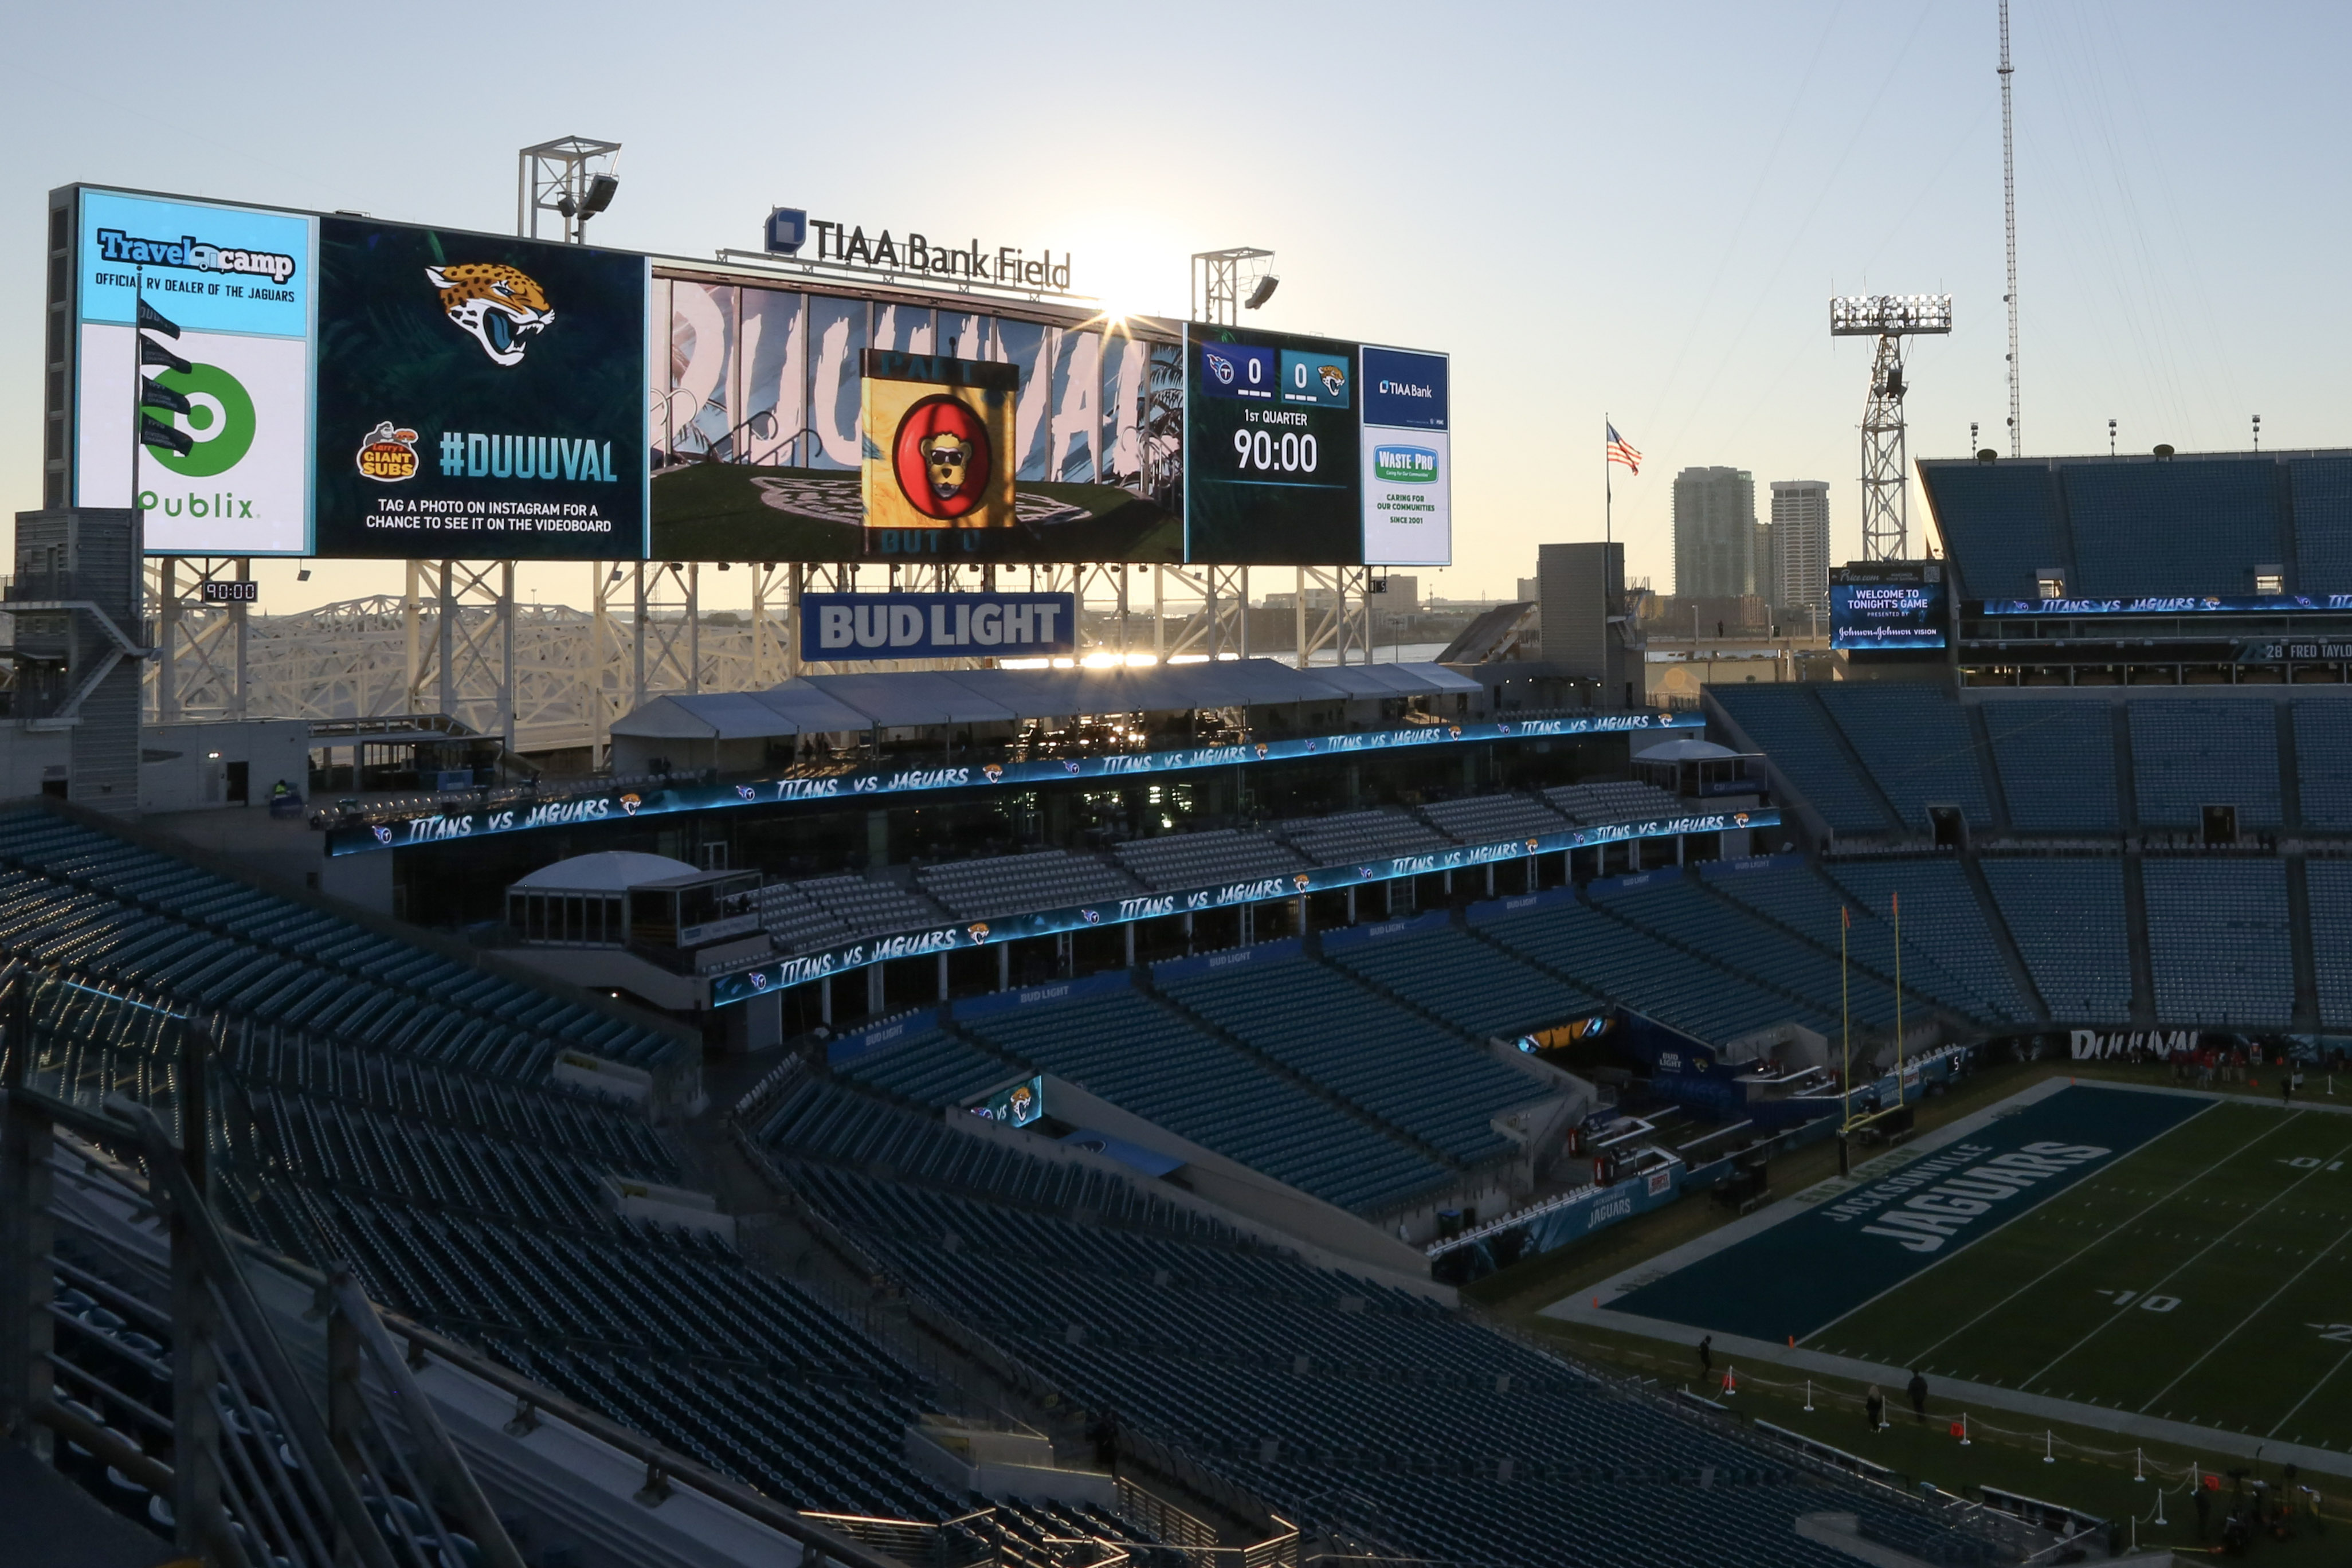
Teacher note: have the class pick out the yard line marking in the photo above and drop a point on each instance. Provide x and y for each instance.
(2104, 1323)
(2105, 1234)
(2308, 1265)
(2323, 1380)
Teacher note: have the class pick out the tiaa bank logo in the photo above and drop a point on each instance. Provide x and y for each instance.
(1407, 465)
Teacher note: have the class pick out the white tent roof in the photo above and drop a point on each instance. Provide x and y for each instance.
(610, 871)
(1685, 749)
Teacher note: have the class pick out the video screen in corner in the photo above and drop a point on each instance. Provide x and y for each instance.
(1886, 605)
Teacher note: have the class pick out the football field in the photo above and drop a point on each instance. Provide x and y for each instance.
(2195, 1269)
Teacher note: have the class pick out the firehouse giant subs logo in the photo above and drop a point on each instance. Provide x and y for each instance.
(942, 459)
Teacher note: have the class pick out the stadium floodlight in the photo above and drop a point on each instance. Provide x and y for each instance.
(1227, 282)
(1885, 485)
(571, 177)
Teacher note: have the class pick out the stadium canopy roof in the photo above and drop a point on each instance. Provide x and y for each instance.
(792, 709)
(1685, 750)
(610, 871)
(906, 700)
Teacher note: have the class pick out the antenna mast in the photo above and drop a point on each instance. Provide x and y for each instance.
(2009, 215)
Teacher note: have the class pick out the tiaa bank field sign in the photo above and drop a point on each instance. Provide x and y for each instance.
(837, 628)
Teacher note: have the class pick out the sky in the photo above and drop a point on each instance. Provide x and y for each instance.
(1636, 213)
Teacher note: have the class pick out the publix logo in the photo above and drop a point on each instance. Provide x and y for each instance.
(1409, 464)
(220, 421)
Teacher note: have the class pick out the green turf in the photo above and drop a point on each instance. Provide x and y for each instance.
(2206, 1278)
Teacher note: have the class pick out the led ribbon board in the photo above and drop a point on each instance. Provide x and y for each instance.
(746, 984)
(855, 783)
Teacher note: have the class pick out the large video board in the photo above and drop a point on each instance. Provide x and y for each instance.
(360, 388)
(1306, 451)
(1886, 605)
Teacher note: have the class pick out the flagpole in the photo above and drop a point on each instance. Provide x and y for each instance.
(1608, 507)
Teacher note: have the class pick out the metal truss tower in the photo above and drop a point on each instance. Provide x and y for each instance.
(1227, 282)
(1885, 482)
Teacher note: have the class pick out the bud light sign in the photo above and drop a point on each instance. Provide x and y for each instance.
(839, 629)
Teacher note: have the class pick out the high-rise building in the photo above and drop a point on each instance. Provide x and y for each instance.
(1800, 545)
(1715, 533)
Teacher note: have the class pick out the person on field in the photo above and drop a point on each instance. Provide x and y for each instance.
(1874, 1408)
(1917, 1389)
(1707, 1356)
(2204, 1512)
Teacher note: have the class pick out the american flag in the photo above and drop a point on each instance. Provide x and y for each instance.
(1622, 451)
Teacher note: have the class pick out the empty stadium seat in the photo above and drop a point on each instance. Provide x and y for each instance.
(2219, 945)
(2067, 915)
(1916, 742)
(1788, 724)
(2188, 753)
(2057, 763)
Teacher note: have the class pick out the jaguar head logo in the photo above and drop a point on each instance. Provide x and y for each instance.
(992, 771)
(1335, 378)
(1261, 748)
(498, 306)
(979, 930)
(629, 804)
(1299, 880)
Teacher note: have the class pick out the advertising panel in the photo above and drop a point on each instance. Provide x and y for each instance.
(1887, 605)
(240, 285)
(479, 396)
(742, 984)
(938, 446)
(762, 430)
(1407, 460)
(1272, 450)
(1015, 1105)
(841, 782)
(841, 629)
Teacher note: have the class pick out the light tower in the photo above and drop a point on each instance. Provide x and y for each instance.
(571, 177)
(1885, 488)
(1227, 282)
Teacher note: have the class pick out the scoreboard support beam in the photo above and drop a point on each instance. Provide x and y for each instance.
(200, 668)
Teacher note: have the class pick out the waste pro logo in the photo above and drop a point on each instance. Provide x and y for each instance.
(1404, 465)
(389, 454)
(219, 420)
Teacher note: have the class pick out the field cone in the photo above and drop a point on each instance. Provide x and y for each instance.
(1730, 1382)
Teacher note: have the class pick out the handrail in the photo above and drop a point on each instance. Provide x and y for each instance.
(425, 1428)
(289, 1400)
(302, 1416)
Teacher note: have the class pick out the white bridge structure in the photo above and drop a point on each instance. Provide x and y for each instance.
(552, 677)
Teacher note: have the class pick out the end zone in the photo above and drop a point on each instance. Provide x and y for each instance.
(1799, 1266)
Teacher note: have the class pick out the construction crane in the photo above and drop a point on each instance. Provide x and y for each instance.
(1885, 488)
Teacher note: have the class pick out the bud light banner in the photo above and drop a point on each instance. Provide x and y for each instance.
(839, 629)
(479, 396)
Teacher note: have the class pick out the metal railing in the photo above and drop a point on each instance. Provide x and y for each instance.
(258, 1472)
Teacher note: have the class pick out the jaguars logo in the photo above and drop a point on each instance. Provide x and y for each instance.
(629, 803)
(499, 307)
(979, 930)
(1334, 379)
(992, 772)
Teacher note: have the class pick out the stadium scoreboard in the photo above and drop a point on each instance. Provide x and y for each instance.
(1302, 450)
